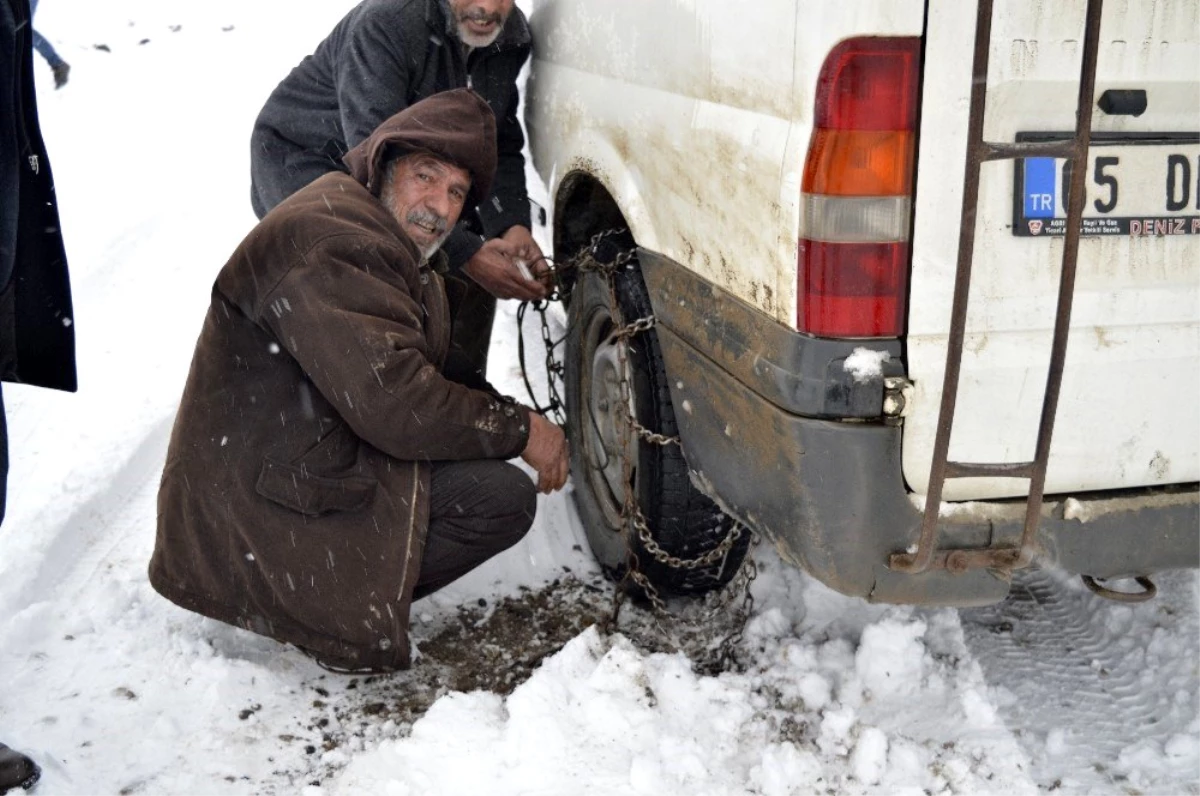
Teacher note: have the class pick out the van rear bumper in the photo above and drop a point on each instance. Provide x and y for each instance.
(829, 493)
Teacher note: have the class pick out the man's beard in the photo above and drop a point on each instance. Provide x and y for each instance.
(429, 219)
(425, 218)
(473, 40)
(432, 249)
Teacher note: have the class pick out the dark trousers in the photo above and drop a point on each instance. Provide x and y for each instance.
(3, 458)
(477, 509)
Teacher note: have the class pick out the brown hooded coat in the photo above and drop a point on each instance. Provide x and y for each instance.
(295, 497)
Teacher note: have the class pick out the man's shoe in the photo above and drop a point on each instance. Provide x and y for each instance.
(16, 770)
(60, 74)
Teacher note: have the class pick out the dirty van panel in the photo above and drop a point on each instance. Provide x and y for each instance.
(678, 48)
(698, 110)
(1126, 415)
(674, 88)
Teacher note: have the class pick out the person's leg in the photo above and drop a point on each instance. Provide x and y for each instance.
(46, 49)
(477, 509)
(60, 67)
(39, 42)
(16, 770)
(3, 458)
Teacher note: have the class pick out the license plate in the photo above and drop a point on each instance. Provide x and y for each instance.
(1136, 186)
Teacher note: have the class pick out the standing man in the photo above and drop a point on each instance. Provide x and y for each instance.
(37, 332)
(327, 466)
(383, 56)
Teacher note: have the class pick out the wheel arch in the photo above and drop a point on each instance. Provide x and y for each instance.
(598, 192)
(583, 207)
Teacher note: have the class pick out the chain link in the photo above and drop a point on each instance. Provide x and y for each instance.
(723, 655)
(555, 371)
(708, 559)
(653, 438)
(625, 334)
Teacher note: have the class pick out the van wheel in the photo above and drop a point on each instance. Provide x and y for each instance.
(684, 522)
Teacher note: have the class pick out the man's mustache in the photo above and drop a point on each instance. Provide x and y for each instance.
(482, 17)
(428, 219)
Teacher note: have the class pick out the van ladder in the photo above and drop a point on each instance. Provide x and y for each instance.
(1075, 151)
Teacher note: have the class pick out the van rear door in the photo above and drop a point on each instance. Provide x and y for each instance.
(1128, 413)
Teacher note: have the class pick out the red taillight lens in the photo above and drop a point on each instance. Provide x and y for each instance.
(858, 183)
(867, 84)
(853, 289)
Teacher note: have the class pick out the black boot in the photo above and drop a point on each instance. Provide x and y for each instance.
(16, 770)
(61, 71)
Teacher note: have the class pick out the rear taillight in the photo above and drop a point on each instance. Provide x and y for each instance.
(858, 186)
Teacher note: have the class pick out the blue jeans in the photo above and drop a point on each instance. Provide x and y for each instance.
(39, 42)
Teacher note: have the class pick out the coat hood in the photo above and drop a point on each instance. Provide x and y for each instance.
(457, 126)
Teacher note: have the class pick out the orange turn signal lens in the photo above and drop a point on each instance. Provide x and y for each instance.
(859, 163)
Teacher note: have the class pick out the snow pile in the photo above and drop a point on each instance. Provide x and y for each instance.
(601, 717)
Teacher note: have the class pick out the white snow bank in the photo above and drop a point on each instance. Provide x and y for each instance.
(601, 717)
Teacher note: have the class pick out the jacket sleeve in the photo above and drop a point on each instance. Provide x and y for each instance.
(361, 340)
(372, 77)
(461, 245)
(508, 205)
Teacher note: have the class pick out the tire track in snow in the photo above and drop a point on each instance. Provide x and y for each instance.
(1081, 679)
(84, 534)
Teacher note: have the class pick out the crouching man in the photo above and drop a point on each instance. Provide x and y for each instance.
(326, 469)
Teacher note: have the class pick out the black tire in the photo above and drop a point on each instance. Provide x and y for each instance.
(684, 522)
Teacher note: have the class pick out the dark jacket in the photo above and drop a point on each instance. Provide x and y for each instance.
(383, 56)
(37, 325)
(295, 497)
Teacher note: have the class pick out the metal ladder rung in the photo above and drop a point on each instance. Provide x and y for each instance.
(980, 470)
(959, 561)
(991, 150)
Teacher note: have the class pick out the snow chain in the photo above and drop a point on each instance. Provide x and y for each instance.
(633, 521)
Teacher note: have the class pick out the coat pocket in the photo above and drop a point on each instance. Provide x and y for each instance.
(325, 479)
(298, 489)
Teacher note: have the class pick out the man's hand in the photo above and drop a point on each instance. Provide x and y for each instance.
(546, 452)
(530, 254)
(494, 267)
(527, 249)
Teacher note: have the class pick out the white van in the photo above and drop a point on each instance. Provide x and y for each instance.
(803, 185)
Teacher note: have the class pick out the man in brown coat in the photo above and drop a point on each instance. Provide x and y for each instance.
(326, 467)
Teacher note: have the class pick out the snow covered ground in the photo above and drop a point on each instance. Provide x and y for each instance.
(116, 691)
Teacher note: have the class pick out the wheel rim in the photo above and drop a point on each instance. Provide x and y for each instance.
(605, 424)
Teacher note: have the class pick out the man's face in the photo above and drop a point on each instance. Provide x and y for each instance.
(426, 195)
(479, 21)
